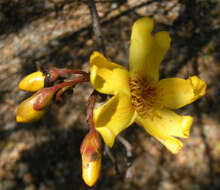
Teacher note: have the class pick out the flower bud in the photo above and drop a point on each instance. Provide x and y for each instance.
(91, 158)
(33, 108)
(32, 82)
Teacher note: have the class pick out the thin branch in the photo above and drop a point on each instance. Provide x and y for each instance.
(70, 83)
(126, 144)
(96, 26)
(101, 48)
(108, 152)
(91, 105)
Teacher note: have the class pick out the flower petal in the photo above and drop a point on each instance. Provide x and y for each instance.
(173, 124)
(113, 117)
(107, 77)
(165, 125)
(147, 51)
(176, 92)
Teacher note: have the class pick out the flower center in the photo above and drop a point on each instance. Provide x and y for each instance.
(144, 95)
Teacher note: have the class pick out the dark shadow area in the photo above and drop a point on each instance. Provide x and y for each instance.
(16, 14)
(48, 120)
(56, 164)
(57, 160)
(4, 134)
(65, 52)
(190, 32)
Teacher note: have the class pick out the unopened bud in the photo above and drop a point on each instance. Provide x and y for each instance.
(91, 158)
(32, 82)
(33, 108)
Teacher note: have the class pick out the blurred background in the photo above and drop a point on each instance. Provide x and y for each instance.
(45, 155)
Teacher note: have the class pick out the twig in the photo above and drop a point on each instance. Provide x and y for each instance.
(126, 144)
(70, 83)
(101, 48)
(129, 156)
(108, 152)
(91, 105)
(96, 26)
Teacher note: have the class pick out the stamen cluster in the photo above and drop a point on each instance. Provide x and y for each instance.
(143, 95)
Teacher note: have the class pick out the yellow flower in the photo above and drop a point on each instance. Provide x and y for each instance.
(138, 94)
(32, 82)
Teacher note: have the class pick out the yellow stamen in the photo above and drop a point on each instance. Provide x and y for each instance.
(143, 95)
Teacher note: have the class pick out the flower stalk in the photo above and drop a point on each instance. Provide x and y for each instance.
(54, 73)
(34, 108)
(91, 148)
(91, 105)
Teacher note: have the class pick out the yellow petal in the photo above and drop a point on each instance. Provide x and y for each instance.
(26, 112)
(165, 125)
(199, 87)
(147, 51)
(107, 77)
(176, 93)
(173, 124)
(32, 82)
(113, 117)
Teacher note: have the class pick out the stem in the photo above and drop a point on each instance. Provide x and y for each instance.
(61, 72)
(96, 26)
(101, 48)
(126, 144)
(45, 94)
(108, 152)
(54, 73)
(91, 105)
(60, 93)
(70, 83)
